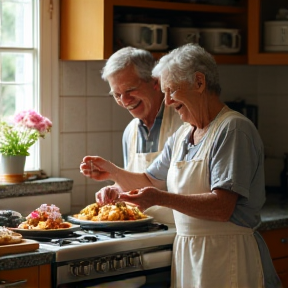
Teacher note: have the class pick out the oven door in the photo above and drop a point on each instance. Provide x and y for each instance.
(156, 278)
(134, 282)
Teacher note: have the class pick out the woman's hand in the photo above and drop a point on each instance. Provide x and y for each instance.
(107, 195)
(98, 168)
(144, 197)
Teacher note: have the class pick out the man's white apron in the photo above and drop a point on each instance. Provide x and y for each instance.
(208, 254)
(138, 162)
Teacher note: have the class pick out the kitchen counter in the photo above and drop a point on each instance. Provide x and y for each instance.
(274, 215)
(36, 187)
(28, 259)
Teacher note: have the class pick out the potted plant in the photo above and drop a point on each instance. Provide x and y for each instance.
(15, 140)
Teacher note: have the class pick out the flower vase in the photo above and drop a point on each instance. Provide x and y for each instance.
(12, 169)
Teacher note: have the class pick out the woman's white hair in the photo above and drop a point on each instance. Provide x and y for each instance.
(181, 64)
(142, 61)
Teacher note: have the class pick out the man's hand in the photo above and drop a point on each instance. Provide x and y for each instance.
(98, 168)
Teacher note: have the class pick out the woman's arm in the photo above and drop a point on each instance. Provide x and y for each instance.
(217, 205)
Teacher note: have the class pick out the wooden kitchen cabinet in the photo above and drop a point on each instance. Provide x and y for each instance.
(86, 26)
(86, 30)
(277, 242)
(36, 276)
(260, 11)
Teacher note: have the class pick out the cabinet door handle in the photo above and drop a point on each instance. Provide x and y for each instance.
(284, 240)
(6, 284)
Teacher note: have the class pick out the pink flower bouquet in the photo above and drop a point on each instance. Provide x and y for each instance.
(28, 126)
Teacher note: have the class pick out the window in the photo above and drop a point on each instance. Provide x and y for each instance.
(28, 59)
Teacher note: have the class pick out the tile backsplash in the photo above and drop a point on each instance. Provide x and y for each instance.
(92, 123)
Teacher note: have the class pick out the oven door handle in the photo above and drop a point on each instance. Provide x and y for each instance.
(6, 284)
(157, 259)
(135, 282)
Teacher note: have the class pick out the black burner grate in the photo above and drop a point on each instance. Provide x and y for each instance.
(89, 234)
(150, 227)
(147, 228)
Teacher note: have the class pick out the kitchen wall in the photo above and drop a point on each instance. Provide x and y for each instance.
(92, 124)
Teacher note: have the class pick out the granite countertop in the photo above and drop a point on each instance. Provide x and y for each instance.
(274, 214)
(36, 187)
(27, 259)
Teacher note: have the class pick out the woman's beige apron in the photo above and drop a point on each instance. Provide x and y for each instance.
(208, 254)
(138, 162)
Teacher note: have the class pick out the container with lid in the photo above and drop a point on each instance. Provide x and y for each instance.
(141, 35)
(276, 36)
(220, 40)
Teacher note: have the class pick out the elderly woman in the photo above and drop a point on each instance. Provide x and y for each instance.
(212, 169)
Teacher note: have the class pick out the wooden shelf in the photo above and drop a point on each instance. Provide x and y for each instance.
(220, 59)
(231, 59)
(176, 6)
(269, 58)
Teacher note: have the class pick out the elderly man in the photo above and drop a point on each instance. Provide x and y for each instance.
(128, 72)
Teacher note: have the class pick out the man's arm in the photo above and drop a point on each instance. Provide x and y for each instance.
(99, 169)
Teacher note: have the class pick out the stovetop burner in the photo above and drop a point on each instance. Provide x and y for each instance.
(80, 239)
(151, 227)
(88, 235)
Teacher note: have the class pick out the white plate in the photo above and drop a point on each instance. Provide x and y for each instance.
(111, 225)
(48, 232)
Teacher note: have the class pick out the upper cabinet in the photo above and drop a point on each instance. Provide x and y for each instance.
(259, 12)
(87, 27)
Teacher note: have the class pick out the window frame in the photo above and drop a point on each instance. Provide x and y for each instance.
(46, 80)
(49, 83)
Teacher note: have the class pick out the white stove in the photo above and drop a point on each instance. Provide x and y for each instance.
(113, 258)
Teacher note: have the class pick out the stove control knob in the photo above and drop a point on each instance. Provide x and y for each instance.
(134, 259)
(102, 265)
(74, 269)
(84, 268)
(125, 260)
(118, 262)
